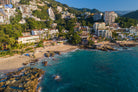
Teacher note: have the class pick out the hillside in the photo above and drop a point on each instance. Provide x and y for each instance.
(121, 13)
(87, 10)
(133, 15)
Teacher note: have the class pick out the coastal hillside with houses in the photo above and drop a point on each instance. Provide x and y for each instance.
(36, 34)
(30, 23)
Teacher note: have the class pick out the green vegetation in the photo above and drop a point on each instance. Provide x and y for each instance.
(40, 44)
(17, 18)
(114, 35)
(86, 21)
(25, 1)
(41, 14)
(126, 22)
(74, 38)
(90, 43)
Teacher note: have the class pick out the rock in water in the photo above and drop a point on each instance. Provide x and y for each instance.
(45, 63)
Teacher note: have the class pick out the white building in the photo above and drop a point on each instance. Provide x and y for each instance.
(28, 39)
(97, 16)
(45, 33)
(37, 32)
(51, 14)
(105, 33)
(53, 31)
(10, 12)
(59, 9)
(3, 17)
(133, 31)
(109, 17)
(23, 21)
(25, 10)
(15, 1)
(67, 15)
(99, 26)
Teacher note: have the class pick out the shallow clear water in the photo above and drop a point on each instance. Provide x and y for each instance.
(92, 71)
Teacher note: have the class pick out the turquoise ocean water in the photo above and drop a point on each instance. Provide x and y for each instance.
(92, 71)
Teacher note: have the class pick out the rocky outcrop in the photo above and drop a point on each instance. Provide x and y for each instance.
(127, 45)
(47, 55)
(58, 52)
(101, 47)
(52, 53)
(45, 63)
(24, 80)
(105, 48)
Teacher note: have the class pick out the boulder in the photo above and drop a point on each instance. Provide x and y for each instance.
(45, 63)
(47, 54)
(52, 54)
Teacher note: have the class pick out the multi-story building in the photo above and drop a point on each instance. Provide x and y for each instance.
(10, 12)
(3, 17)
(25, 10)
(109, 17)
(53, 33)
(105, 33)
(97, 16)
(133, 30)
(15, 1)
(3, 2)
(83, 29)
(99, 26)
(28, 39)
(45, 33)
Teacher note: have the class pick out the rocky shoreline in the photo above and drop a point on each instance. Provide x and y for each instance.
(108, 47)
(24, 80)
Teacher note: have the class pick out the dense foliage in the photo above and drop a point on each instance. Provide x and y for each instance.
(126, 22)
(17, 18)
(25, 1)
(43, 14)
(9, 34)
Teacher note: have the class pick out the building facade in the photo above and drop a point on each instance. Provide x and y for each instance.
(28, 39)
(109, 17)
(105, 33)
(3, 2)
(133, 31)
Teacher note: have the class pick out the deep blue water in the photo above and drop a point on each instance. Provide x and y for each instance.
(92, 71)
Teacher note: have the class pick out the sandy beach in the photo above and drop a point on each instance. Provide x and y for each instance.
(14, 62)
